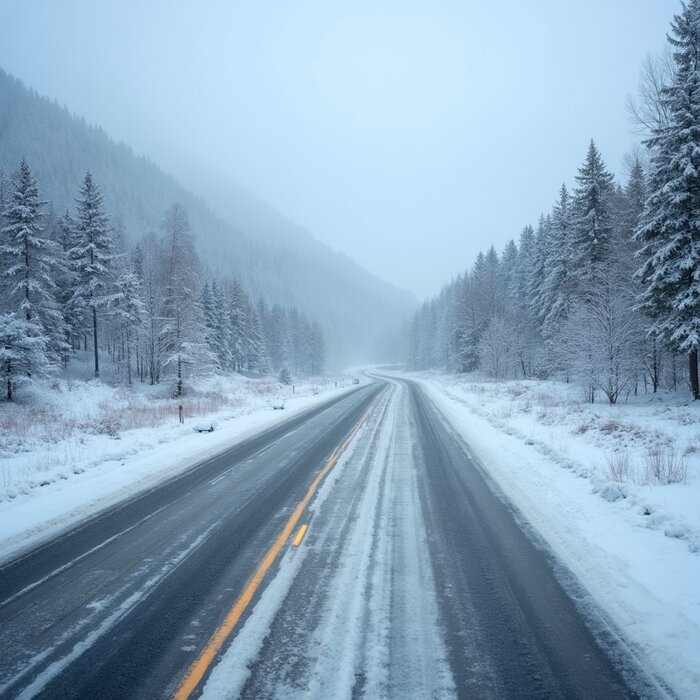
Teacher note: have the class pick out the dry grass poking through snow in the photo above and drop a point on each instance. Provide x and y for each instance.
(645, 452)
(67, 426)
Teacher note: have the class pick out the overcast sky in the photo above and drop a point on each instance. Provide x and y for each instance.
(409, 135)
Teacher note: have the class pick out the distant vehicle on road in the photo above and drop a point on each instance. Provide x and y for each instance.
(356, 381)
(204, 427)
(279, 406)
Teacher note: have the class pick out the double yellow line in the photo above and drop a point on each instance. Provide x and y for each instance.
(199, 667)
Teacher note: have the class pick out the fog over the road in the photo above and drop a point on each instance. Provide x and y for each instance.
(410, 135)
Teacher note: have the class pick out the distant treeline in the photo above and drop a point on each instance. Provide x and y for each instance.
(606, 290)
(69, 283)
(237, 235)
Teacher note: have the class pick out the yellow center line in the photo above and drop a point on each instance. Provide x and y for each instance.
(300, 535)
(199, 667)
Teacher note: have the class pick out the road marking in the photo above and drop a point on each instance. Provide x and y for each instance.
(73, 562)
(199, 667)
(300, 535)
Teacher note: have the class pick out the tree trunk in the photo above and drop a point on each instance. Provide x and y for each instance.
(128, 356)
(94, 340)
(9, 387)
(693, 369)
(179, 376)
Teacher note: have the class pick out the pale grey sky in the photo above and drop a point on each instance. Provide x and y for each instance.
(409, 135)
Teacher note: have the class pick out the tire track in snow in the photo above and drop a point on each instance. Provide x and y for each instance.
(360, 618)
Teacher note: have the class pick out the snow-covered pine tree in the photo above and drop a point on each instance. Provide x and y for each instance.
(539, 269)
(129, 314)
(186, 353)
(469, 324)
(317, 349)
(297, 337)
(494, 288)
(30, 259)
(74, 313)
(209, 318)
(258, 360)
(91, 259)
(592, 225)
(285, 376)
(635, 196)
(670, 228)
(446, 349)
(236, 312)
(222, 326)
(559, 281)
(5, 188)
(153, 271)
(527, 334)
(23, 352)
(278, 337)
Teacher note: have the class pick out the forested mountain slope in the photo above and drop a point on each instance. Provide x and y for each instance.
(246, 239)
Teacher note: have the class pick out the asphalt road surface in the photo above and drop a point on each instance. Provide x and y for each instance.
(355, 551)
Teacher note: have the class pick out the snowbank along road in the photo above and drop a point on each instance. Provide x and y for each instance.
(356, 551)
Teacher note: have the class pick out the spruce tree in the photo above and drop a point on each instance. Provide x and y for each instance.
(183, 334)
(74, 314)
(129, 313)
(539, 269)
(23, 352)
(236, 312)
(558, 283)
(91, 258)
(670, 228)
(30, 258)
(221, 326)
(211, 336)
(593, 230)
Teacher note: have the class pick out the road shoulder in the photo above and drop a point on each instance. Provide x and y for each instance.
(645, 582)
(40, 514)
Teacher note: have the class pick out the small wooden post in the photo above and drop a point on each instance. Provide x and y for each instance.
(181, 413)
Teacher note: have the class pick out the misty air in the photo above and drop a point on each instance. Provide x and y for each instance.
(349, 350)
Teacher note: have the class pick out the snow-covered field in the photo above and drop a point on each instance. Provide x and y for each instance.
(74, 447)
(591, 480)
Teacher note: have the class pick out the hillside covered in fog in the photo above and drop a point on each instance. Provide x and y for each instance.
(238, 236)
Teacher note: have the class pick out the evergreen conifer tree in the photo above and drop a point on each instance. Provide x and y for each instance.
(670, 228)
(91, 259)
(30, 259)
(593, 230)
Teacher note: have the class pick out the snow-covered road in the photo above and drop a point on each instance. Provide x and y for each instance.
(415, 581)
(358, 551)
(361, 617)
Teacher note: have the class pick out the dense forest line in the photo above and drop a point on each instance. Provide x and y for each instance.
(606, 290)
(236, 235)
(71, 282)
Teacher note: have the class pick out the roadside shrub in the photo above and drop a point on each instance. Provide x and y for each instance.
(503, 411)
(610, 426)
(619, 467)
(110, 423)
(663, 465)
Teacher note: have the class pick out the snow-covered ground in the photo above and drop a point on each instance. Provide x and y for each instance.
(73, 447)
(586, 478)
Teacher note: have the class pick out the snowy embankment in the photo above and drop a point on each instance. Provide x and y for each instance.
(590, 480)
(78, 447)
